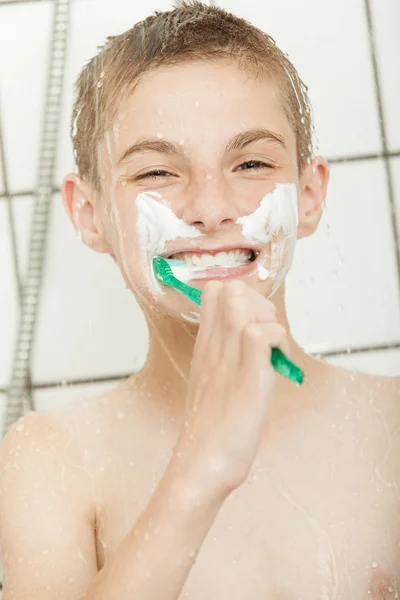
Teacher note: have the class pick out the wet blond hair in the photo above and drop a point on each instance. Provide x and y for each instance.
(191, 31)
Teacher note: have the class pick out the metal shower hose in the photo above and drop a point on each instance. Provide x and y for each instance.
(19, 394)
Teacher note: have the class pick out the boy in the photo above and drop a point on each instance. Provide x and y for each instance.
(205, 475)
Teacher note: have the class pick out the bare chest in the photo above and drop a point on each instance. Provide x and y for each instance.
(319, 516)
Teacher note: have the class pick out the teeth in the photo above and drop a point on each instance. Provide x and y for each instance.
(222, 259)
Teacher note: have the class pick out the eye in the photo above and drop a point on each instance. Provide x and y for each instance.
(254, 165)
(157, 174)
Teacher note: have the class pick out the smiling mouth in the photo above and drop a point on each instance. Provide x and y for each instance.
(218, 265)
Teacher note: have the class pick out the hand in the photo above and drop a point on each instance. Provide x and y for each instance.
(231, 383)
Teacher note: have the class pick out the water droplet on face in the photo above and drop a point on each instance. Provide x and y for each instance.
(303, 120)
(120, 414)
(102, 74)
(159, 134)
(99, 84)
(374, 564)
(146, 536)
(208, 177)
(123, 182)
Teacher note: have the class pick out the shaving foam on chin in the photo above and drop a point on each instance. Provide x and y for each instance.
(157, 223)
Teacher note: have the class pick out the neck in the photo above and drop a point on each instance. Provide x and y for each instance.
(165, 374)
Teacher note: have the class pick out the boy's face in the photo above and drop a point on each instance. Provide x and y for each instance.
(205, 176)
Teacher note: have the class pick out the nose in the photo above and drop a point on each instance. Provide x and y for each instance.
(210, 207)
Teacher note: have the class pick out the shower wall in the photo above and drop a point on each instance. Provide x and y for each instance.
(343, 290)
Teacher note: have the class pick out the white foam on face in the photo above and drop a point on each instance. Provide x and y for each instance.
(277, 210)
(157, 224)
(194, 319)
(277, 213)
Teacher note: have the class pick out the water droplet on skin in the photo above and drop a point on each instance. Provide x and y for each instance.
(374, 564)
(146, 536)
(102, 74)
(159, 135)
(303, 120)
(99, 84)
(123, 182)
(121, 414)
(208, 177)
(181, 142)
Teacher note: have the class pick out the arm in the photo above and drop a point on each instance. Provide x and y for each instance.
(46, 514)
(47, 529)
(155, 558)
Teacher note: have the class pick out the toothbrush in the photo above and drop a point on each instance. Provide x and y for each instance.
(170, 272)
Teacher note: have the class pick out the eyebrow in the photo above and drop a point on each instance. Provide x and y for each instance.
(237, 142)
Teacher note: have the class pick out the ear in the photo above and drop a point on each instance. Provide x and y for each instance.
(80, 202)
(313, 187)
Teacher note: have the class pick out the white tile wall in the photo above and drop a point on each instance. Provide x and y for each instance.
(1, 174)
(24, 45)
(395, 168)
(8, 287)
(383, 362)
(88, 322)
(386, 21)
(328, 44)
(91, 22)
(343, 288)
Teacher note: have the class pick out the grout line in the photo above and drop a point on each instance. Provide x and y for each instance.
(11, 220)
(84, 381)
(359, 350)
(117, 377)
(361, 157)
(333, 160)
(382, 126)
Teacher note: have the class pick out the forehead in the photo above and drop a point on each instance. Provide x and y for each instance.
(199, 104)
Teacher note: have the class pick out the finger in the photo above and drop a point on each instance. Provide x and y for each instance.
(208, 310)
(258, 339)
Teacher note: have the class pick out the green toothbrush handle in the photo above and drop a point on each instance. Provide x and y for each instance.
(280, 361)
(285, 366)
